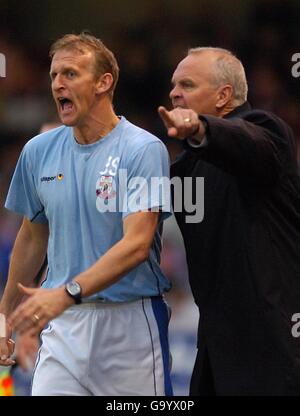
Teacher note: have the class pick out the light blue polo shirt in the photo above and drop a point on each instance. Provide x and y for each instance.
(84, 192)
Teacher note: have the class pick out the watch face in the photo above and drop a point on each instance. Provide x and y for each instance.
(74, 288)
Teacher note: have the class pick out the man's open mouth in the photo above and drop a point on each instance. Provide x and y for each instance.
(66, 105)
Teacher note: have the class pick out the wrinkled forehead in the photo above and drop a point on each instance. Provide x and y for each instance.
(73, 55)
(196, 66)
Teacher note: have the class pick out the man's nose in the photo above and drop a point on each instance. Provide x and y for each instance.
(57, 83)
(174, 93)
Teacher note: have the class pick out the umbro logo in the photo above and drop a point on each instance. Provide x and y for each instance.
(52, 178)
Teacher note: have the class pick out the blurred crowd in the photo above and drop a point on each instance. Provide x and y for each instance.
(264, 35)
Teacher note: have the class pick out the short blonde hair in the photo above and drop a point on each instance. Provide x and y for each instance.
(227, 69)
(105, 61)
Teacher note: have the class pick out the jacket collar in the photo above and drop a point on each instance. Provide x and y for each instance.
(239, 110)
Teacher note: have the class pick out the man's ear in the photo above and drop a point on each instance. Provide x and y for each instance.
(224, 95)
(104, 83)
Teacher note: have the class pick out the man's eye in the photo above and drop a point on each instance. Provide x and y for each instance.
(71, 74)
(187, 85)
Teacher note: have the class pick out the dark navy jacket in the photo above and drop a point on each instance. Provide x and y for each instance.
(244, 257)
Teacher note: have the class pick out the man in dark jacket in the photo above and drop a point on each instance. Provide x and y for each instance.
(244, 256)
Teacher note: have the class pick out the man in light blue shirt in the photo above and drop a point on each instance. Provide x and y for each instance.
(93, 193)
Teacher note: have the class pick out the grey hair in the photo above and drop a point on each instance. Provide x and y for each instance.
(228, 69)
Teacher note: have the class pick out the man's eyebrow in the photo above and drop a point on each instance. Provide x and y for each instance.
(187, 79)
(182, 81)
(67, 67)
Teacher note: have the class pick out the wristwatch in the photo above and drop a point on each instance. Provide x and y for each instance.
(73, 289)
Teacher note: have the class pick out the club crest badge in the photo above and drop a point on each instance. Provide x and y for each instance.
(105, 191)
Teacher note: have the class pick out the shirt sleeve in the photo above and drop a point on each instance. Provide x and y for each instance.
(22, 196)
(147, 179)
(195, 144)
(255, 147)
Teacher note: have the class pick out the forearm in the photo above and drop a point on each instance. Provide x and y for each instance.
(243, 147)
(117, 262)
(26, 260)
(46, 304)
(244, 140)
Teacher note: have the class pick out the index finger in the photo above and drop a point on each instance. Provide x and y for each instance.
(11, 346)
(165, 115)
(6, 350)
